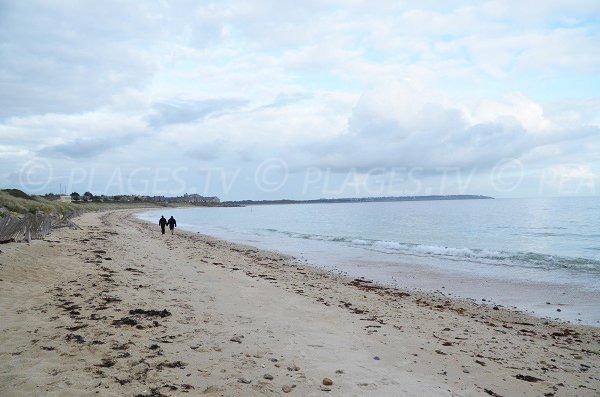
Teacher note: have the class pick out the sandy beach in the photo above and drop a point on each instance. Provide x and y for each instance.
(117, 309)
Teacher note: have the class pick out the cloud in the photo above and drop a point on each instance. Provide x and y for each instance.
(72, 57)
(180, 111)
(396, 126)
(336, 83)
(85, 148)
(207, 151)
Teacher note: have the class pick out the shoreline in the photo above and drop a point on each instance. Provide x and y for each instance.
(547, 299)
(237, 314)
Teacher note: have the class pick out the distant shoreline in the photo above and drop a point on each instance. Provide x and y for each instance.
(359, 200)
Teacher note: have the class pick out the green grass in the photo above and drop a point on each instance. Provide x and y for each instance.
(18, 202)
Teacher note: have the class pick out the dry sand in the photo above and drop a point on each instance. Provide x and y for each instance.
(118, 309)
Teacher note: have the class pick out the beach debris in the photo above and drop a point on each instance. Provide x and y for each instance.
(565, 332)
(237, 339)
(77, 327)
(528, 378)
(133, 270)
(187, 386)
(125, 321)
(174, 364)
(75, 337)
(109, 299)
(491, 393)
(244, 380)
(151, 313)
(106, 363)
(286, 388)
(376, 358)
(327, 382)
(268, 376)
(153, 393)
(339, 371)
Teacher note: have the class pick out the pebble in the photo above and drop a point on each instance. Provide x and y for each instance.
(327, 382)
(268, 376)
(244, 380)
(324, 388)
(376, 358)
(466, 370)
(236, 339)
(286, 389)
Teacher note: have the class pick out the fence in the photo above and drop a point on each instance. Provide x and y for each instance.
(32, 227)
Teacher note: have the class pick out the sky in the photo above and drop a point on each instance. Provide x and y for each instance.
(270, 99)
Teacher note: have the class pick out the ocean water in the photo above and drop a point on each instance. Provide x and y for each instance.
(530, 254)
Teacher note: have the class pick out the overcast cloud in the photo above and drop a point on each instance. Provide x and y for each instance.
(270, 99)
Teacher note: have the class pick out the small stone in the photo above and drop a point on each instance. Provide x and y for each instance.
(325, 388)
(296, 368)
(286, 389)
(236, 339)
(466, 370)
(244, 380)
(268, 376)
(339, 371)
(376, 358)
(327, 382)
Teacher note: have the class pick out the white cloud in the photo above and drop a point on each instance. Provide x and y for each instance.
(337, 83)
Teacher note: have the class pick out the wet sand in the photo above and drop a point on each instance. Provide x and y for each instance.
(118, 309)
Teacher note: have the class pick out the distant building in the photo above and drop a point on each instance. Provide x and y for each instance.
(196, 198)
(65, 198)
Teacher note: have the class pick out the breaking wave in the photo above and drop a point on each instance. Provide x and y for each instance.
(465, 254)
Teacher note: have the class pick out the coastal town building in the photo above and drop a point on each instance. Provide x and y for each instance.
(196, 198)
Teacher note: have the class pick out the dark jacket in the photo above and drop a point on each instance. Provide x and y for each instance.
(172, 223)
(162, 222)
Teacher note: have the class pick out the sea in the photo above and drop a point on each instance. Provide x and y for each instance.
(538, 255)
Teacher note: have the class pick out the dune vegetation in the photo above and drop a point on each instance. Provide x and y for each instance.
(17, 201)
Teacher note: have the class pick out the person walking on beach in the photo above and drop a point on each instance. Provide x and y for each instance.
(163, 223)
(172, 223)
